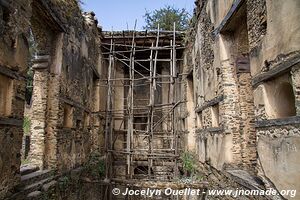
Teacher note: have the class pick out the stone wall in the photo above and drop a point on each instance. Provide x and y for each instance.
(242, 69)
(277, 147)
(274, 68)
(63, 101)
(14, 23)
(64, 46)
(240, 82)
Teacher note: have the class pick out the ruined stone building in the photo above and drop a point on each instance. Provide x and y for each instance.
(119, 109)
(242, 91)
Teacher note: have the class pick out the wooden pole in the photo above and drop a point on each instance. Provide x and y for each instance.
(108, 124)
(108, 114)
(155, 58)
(131, 105)
(174, 132)
(150, 113)
(134, 107)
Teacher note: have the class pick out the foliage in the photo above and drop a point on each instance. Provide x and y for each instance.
(101, 168)
(25, 161)
(95, 166)
(188, 163)
(29, 86)
(70, 9)
(26, 125)
(80, 2)
(29, 79)
(166, 17)
(63, 183)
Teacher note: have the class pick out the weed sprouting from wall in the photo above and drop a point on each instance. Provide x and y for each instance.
(95, 167)
(63, 183)
(26, 125)
(188, 163)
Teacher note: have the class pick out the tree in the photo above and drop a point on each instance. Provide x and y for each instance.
(166, 17)
(29, 79)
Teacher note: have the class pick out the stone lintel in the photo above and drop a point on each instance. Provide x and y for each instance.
(11, 121)
(278, 122)
(40, 66)
(183, 132)
(276, 71)
(233, 10)
(74, 103)
(9, 73)
(41, 59)
(41, 62)
(209, 103)
(210, 130)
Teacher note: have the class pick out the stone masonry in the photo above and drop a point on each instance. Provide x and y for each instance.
(66, 64)
(237, 84)
(244, 57)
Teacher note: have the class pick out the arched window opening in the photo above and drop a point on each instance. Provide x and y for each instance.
(284, 101)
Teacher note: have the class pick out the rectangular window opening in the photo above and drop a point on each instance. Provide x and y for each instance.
(68, 116)
(215, 115)
(6, 93)
(199, 120)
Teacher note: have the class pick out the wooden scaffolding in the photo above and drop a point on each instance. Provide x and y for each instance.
(150, 138)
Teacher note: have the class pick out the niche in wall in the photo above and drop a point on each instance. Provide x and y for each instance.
(285, 99)
(6, 92)
(68, 116)
(183, 124)
(280, 99)
(199, 120)
(215, 116)
(190, 89)
(86, 119)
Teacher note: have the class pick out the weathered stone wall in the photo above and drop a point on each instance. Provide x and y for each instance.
(78, 81)
(216, 82)
(240, 83)
(277, 147)
(251, 76)
(64, 101)
(274, 68)
(279, 40)
(257, 25)
(14, 23)
(67, 63)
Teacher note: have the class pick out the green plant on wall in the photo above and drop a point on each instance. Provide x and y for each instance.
(188, 163)
(25, 161)
(95, 166)
(101, 168)
(26, 125)
(63, 183)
